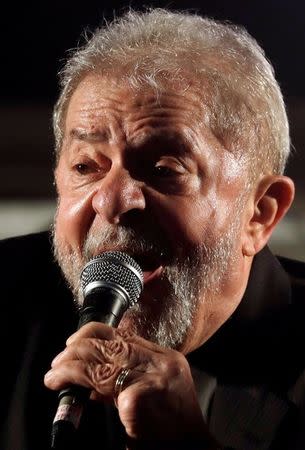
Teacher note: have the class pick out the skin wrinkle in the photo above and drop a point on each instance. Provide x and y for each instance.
(200, 177)
(143, 121)
(113, 349)
(101, 371)
(90, 137)
(149, 100)
(100, 375)
(102, 380)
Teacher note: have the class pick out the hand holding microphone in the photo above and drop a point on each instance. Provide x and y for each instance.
(152, 386)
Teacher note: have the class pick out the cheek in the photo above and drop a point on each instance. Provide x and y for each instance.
(191, 222)
(73, 220)
(186, 221)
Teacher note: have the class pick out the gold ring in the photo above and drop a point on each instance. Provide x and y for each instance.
(119, 382)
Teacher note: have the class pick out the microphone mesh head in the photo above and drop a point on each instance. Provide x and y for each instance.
(115, 267)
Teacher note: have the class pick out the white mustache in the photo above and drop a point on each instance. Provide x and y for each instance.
(121, 239)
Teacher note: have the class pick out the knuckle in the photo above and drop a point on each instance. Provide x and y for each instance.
(99, 374)
(174, 364)
(112, 349)
(125, 335)
(159, 384)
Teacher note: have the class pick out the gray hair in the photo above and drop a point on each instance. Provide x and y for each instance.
(241, 100)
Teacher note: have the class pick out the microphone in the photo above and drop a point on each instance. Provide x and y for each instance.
(111, 283)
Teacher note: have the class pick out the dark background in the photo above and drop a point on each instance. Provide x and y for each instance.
(37, 36)
(35, 39)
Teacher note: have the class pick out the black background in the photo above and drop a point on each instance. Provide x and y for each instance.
(37, 35)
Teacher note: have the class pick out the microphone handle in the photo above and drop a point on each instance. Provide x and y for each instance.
(103, 305)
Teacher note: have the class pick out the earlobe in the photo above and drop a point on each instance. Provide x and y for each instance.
(273, 197)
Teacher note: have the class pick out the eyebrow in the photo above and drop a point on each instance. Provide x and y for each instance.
(175, 140)
(89, 136)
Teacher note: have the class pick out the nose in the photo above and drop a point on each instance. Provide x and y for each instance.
(118, 194)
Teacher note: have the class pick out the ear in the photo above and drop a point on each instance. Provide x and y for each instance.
(266, 207)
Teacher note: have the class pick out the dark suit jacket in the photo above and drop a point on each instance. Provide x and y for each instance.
(251, 372)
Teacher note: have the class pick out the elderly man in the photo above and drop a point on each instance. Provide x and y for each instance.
(171, 142)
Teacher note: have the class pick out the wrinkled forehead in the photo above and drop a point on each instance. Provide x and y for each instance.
(99, 91)
(110, 109)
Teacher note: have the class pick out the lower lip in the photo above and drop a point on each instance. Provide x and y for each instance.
(151, 275)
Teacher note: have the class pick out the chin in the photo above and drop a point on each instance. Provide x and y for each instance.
(165, 326)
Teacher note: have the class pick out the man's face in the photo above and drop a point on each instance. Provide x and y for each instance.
(143, 174)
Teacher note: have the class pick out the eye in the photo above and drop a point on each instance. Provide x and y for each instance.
(168, 175)
(168, 168)
(164, 171)
(86, 168)
(82, 169)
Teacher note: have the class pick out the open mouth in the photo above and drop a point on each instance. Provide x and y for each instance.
(151, 265)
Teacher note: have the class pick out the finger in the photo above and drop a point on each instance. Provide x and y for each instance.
(118, 352)
(100, 331)
(141, 397)
(98, 378)
(67, 374)
(122, 354)
(105, 332)
(100, 361)
(93, 329)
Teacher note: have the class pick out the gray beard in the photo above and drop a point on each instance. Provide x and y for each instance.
(190, 280)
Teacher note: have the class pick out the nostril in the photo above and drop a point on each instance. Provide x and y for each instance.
(118, 194)
(132, 218)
